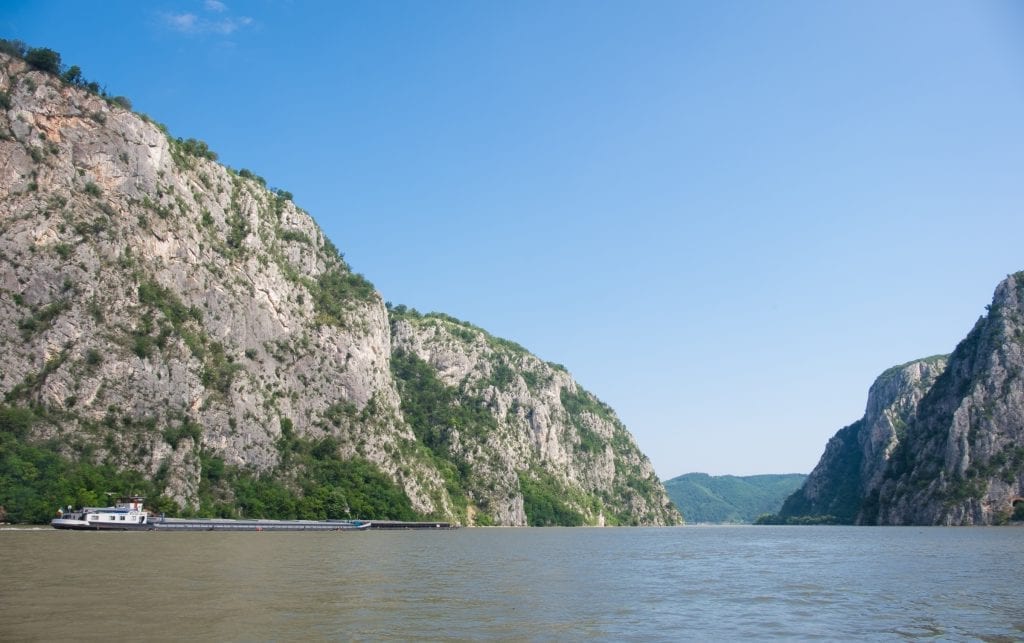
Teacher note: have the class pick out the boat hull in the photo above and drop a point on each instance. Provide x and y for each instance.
(227, 524)
(82, 525)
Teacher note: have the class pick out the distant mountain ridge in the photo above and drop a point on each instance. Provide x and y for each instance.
(704, 498)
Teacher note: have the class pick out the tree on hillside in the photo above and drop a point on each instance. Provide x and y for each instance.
(14, 48)
(73, 76)
(44, 59)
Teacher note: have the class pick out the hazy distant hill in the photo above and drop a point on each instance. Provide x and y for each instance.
(732, 499)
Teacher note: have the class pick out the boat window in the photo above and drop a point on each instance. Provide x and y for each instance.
(122, 517)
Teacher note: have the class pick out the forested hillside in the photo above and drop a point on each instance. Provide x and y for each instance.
(730, 499)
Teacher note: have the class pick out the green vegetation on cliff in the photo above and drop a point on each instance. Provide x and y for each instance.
(49, 61)
(501, 393)
(543, 501)
(36, 479)
(841, 500)
(439, 415)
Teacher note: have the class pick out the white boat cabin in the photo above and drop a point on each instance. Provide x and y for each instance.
(127, 513)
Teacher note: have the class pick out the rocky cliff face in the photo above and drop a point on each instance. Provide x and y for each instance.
(523, 424)
(160, 312)
(942, 440)
(962, 460)
(856, 458)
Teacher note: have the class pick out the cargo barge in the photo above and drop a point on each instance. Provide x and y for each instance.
(228, 524)
(128, 515)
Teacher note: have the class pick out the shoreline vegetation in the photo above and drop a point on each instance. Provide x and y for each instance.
(35, 479)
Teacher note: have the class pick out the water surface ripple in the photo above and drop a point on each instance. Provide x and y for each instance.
(689, 583)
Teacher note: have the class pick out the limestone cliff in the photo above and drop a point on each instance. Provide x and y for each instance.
(962, 460)
(855, 459)
(942, 441)
(164, 314)
(522, 424)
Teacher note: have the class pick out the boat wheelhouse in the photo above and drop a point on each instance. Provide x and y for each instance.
(126, 514)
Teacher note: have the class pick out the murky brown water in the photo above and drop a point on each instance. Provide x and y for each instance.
(677, 583)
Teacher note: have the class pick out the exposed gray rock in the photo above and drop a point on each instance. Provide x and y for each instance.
(583, 445)
(892, 404)
(942, 440)
(962, 460)
(145, 288)
(856, 458)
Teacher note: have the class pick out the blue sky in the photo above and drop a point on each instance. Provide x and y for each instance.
(725, 218)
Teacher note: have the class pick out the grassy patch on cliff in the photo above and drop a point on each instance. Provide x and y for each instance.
(218, 365)
(42, 317)
(323, 486)
(166, 301)
(435, 410)
(578, 404)
(464, 330)
(543, 501)
(334, 292)
(437, 413)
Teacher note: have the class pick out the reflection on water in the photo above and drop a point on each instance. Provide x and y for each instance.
(669, 583)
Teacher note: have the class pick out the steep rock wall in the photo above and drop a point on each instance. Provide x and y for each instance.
(164, 314)
(543, 427)
(962, 461)
(856, 458)
(942, 440)
(143, 287)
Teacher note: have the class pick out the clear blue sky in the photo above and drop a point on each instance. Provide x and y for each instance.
(725, 218)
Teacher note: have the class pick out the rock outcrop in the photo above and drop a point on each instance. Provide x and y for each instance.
(942, 440)
(856, 458)
(962, 460)
(161, 312)
(532, 424)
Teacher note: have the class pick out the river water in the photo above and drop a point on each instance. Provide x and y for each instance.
(683, 583)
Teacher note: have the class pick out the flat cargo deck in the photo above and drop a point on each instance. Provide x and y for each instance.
(401, 524)
(227, 524)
